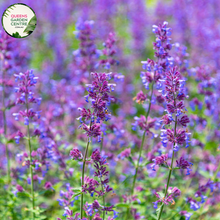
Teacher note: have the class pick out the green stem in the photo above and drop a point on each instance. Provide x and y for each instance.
(103, 198)
(171, 169)
(31, 168)
(5, 121)
(141, 149)
(142, 142)
(101, 147)
(83, 174)
(136, 170)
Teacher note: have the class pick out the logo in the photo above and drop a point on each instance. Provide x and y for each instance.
(19, 20)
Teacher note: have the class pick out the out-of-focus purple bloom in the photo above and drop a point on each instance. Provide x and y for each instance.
(186, 214)
(159, 161)
(76, 154)
(184, 164)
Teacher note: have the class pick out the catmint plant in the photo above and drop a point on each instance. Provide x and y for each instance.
(12, 60)
(25, 82)
(91, 118)
(153, 72)
(179, 135)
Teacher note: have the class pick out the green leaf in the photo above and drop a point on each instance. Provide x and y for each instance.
(122, 205)
(131, 160)
(76, 189)
(2, 181)
(81, 143)
(23, 194)
(154, 216)
(16, 35)
(146, 163)
(158, 210)
(77, 194)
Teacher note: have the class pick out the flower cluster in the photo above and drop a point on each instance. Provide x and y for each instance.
(109, 52)
(85, 58)
(143, 123)
(186, 214)
(160, 160)
(184, 164)
(140, 97)
(26, 81)
(99, 92)
(206, 87)
(76, 154)
(156, 69)
(169, 199)
(174, 96)
(210, 185)
(66, 197)
(91, 185)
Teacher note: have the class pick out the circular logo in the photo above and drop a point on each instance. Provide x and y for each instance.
(19, 20)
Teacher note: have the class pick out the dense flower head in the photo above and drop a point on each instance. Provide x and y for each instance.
(162, 43)
(174, 95)
(155, 70)
(25, 82)
(99, 91)
(90, 185)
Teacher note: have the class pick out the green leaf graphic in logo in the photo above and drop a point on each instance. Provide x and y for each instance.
(17, 35)
(31, 25)
(8, 11)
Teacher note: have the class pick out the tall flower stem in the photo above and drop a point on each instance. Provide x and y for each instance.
(142, 142)
(102, 141)
(5, 121)
(170, 169)
(141, 149)
(103, 197)
(83, 174)
(31, 169)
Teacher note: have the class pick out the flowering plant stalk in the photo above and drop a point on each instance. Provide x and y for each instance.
(99, 93)
(4, 118)
(154, 70)
(5, 46)
(26, 97)
(174, 95)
